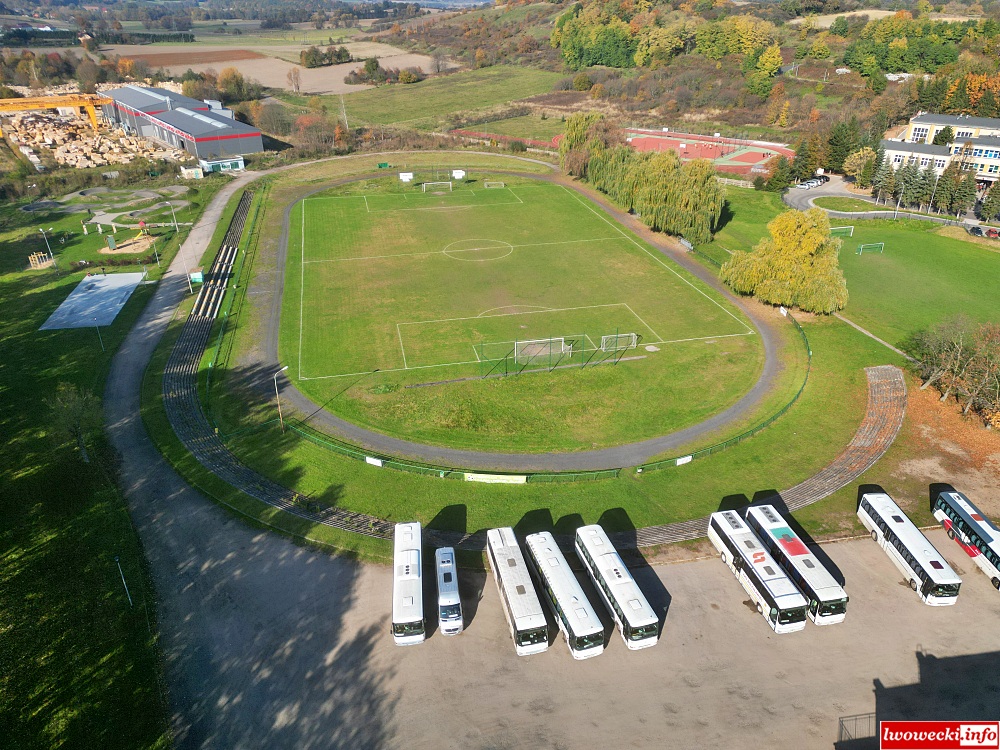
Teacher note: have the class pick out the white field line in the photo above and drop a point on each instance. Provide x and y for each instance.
(400, 335)
(367, 207)
(648, 326)
(302, 284)
(475, 352)
(442, 252)
(511, 191)
(505, 315)
(658, 260)
(542, 308)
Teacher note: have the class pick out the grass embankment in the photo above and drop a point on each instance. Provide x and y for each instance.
(531, 127)
(79, 667)
(744, 222)
(837, 203)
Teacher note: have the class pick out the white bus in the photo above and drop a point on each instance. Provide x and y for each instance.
(577, 620)
(974, 532)
(920, 563)
(521, 606)
(636, 620)
(449, 602)
(777, 599)
(407, 583)
(827, 598)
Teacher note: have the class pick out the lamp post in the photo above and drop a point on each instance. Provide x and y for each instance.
(172, 214)
(934, 191)
(187, 275)
(47, 245)
(277, 398)
(99, 337)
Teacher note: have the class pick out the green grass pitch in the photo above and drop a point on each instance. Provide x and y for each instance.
(389, 286)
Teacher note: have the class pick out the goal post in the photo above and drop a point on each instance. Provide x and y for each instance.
(494, 184)
(871, 247)
(842, 231)
(533, 349)
(616, 342)
(436, 186)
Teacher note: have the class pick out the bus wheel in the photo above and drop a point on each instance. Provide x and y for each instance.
(951, 533)
(874, 535)
(760, 609)
(996, 583)
(913, 584)
(722, 556)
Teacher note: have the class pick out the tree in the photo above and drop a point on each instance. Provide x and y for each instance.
(770, 60)
(582, 82)
(294, 78)
(844, 138)
(796, 265)
(233, 85)
(991, 203)
(857, 162)
(965, 194)
(781, 175)
(944, 136)
(76, 415)
(839, 26)
(864, 178)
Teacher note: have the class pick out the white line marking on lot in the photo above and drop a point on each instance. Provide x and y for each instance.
(658, 260)
(400, 335)
(442, 252)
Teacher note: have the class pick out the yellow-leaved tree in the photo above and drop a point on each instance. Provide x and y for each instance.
(797, 265)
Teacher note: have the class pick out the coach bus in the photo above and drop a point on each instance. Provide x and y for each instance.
(449, 602)
(407, 586)
(577, 620)
(520, 603)
(636, 620)
(921, 564)
(974, 532)
(777, 599)
(827, 598)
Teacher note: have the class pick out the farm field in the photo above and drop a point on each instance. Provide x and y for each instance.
(389, 288)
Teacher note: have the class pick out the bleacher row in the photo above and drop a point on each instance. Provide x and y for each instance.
(214, 289)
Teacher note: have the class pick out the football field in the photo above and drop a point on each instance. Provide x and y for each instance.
(447, 283)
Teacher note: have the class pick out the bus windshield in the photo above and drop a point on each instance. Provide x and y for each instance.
(788, 616)
(646, 631)
(408, 628)
(583, 642)
(833, 608)
(451, 611)
(945, 589)
(531, 637)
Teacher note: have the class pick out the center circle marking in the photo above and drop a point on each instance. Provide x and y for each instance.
(477, 251)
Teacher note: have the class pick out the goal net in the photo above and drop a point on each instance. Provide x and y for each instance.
(526, 351)
(436, 186)
(618, 341)
(842, 231)
(871, 247)
(488, 184)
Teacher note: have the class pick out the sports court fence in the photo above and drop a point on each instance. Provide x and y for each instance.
(718, 447)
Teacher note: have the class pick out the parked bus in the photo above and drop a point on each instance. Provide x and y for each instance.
(916, 558)
(407, 583)
(577, 620)
(520, 603)
(449, 602)
(636, 620)
(974, 532)
(827, 598)
(777, 599)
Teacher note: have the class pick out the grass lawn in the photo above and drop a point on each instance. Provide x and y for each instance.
(744, 221)
(532, 127)
(79, 666)
(432, 100)
(921, 279)
(390, 287)
(837, 203)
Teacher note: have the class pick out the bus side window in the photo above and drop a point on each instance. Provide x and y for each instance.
(774, 613)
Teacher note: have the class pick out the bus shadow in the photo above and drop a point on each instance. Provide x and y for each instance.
(619, 527)
(935, 489)
(825, 560)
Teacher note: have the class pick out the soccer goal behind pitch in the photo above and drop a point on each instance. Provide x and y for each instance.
(436, 186)
(871, 247)
(842, 231)
(541, 349)
(494, 184)
(616, 342)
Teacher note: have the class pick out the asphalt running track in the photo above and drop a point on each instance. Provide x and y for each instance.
(630, 454)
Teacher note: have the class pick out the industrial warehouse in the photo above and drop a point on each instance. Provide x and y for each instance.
(205, 130)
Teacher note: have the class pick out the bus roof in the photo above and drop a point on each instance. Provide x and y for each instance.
(796, 552)
(753, 553)
(622, 585)
(562, 582)
(407, 591)
(447, 575)
(974, 517)
(912, 538)
(515, 579)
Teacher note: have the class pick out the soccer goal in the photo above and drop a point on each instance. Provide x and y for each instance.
(618, 341)
(526, 351)
(436, 186)
(842, 231)
(871, 247)
(494, 184)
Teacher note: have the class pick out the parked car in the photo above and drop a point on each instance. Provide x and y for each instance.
(993, 233)
(802, 186)
(976, 231)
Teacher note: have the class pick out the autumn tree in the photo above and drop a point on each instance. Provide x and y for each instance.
(796, 265)
(991, 203)
(294, 78)
(856, 163)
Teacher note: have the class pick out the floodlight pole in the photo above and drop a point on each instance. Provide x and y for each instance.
(99, 338)
(123, 581)
(934, 191)
(47, 245)
(277, 398)
(187, 275)
(174, 215)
